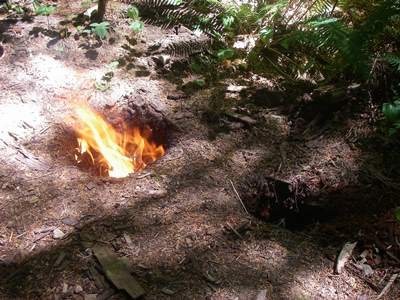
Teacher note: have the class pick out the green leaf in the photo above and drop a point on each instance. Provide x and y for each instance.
(266, 34)
(44, 10)
(392, 111)
(397, 213)
(199, 82)
(225, 53)
(393, 59)
(322, 22)
(228, 21)
(137, 26)
(133, 13)
(100, 29)
(174, 2)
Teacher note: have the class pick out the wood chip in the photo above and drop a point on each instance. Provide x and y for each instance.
(128, 240)
(262, 295)
(117, 271)
(344, 256)
(41, 236)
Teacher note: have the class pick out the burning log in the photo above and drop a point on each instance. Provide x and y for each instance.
(117, 149)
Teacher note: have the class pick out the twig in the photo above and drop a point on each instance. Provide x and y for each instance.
(388, 285)
(234, 230)
(237, 195)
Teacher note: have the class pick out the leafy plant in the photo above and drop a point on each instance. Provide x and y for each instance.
(136, 25)
(100, 29)
(397, 213)
(391, 112)
(18, 9)
(42, 9)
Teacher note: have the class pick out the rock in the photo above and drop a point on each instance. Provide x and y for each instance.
(78, 289)
(235, 88)
(69, 221)
(91, 185)
(366, 268)
(58, 234)
(242, 118)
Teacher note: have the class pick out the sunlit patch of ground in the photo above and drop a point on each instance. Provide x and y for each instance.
(179, 213)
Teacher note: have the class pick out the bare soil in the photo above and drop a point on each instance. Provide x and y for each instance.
(178, 224)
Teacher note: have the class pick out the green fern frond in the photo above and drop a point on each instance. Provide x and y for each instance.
(202, 14)
(393, 59)
(189, 48)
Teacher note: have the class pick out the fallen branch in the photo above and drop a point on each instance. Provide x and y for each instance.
(238, 196)
(388, 285)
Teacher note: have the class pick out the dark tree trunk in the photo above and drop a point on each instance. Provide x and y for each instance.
(101, 10)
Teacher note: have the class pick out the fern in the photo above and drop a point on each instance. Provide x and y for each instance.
(393, 59)
(189, 48)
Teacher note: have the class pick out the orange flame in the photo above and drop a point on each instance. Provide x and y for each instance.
(120, 153)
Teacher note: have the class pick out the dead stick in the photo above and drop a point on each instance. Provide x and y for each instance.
(234, 230)
(237, 195)
(388, 285)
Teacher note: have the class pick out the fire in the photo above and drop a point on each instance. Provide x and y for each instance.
(119, 153)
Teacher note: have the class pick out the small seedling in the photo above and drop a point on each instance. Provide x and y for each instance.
(137, 25)
(43, 10)
(397, 213)
(100, 29)
(18, 9)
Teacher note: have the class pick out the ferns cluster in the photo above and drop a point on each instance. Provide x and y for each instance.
(319, 39)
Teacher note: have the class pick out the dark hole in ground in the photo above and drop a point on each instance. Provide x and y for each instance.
(275, 200)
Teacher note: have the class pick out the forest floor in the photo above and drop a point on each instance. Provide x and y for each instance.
(179, 224)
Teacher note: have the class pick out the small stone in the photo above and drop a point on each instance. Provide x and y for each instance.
(65, 288)
(90, 185)
(78, 289)
(69, 221)
(90, 296)
(157, 193)
(58, 234)
(235, 88)
(167, 291)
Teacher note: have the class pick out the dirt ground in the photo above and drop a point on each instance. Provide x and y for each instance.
(178, 224)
